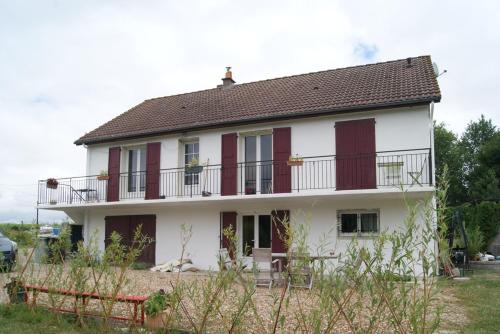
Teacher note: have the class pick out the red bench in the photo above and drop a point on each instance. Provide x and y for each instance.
(137, 301)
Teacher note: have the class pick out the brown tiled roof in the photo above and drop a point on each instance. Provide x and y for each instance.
(355, 88)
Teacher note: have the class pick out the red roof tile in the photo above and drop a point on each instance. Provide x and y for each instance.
(363, 87)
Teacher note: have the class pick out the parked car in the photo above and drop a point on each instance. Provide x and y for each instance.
(8, 253)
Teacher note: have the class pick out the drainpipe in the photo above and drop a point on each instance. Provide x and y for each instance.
(432, 159)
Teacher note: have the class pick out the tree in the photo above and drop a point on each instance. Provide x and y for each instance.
(489, 155)
(476, 135)
(447, 152)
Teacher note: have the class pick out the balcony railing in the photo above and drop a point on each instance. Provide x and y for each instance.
(388, 169)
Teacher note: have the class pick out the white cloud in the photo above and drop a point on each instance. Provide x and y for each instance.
(67, 67)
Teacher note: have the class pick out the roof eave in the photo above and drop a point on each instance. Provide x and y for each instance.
(395, 104)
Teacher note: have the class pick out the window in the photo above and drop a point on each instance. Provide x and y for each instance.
(258, 164)
(191, 154)
(358, 222)
(137, 169)
(256, 233)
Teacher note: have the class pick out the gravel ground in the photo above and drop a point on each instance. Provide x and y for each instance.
(144, 282)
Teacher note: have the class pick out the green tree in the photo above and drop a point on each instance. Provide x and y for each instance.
(489, 155)
(476, 135)
(447, 152)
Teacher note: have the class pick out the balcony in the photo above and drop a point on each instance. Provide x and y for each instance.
(315, 174)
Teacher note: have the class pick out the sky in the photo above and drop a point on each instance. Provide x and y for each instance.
(66, 67)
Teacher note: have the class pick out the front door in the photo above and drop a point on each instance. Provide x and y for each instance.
(256, 233)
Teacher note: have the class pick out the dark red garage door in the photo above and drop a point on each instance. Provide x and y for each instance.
(355, 154)
(126, 226)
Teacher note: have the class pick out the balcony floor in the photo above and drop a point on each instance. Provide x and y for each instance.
(309, 196)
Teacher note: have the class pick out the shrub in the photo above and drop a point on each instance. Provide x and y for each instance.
(139, 266)
(485, 215)
(476, 240)
(156, 303)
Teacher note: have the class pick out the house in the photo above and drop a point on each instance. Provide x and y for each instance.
(359, 137)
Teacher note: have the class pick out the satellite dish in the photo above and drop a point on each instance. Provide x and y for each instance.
(436, 69)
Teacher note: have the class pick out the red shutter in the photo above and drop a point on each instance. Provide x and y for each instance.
(282, 149)
(153, 171)
(118, 224)
(229, 164)
(114, 174)
(278, 241)
(148, 229)
(355, 154)
(126, 226)
(228, 219)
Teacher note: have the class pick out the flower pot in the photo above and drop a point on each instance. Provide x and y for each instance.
(52, 183)
(17, 294)
(193, 169)
(156, 321)
(103, 177)
(295, 162)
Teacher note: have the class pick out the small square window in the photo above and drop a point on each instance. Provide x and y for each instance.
(348, 223)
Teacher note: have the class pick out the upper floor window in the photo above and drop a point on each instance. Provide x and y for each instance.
(358, 222)
(258, 164)
(137, 169)
(191, 157)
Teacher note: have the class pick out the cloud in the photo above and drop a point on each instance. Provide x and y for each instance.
(67, 67)
(366, 52)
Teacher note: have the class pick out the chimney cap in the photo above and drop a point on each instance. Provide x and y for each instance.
(228, 81)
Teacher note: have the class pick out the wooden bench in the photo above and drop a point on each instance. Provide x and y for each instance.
(84, 297)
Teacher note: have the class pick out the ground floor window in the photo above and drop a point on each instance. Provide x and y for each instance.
(358, 222)
(256, 233)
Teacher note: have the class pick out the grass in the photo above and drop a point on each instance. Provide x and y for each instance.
(481, 298)
(20, 319)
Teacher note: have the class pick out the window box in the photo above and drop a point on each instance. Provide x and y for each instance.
(103, 176)
(358, 222)
(193, 169)
(295, 161)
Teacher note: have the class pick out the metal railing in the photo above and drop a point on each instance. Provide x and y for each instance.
(385, 169)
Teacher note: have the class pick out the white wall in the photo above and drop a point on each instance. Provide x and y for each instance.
(205, 221)
(396, 129)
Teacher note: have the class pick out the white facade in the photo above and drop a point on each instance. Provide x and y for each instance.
(396, 129)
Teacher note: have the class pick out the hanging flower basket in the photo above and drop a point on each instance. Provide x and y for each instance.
(52, 183)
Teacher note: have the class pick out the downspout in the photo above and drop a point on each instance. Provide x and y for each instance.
(432, 168)
(433, 180)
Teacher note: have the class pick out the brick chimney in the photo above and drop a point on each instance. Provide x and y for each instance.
(227, 81)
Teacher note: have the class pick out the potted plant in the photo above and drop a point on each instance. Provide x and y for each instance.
(52, 183)
(103, 176)
(155, 307)
(193, 167)
(295, 161)
(16, 291)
